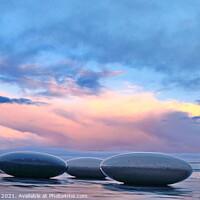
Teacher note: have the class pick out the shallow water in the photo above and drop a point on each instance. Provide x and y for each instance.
(64, 186)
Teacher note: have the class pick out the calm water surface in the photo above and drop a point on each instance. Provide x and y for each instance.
(64, 185)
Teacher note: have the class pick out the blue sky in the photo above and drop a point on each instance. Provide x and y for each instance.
(155, 43)
(58, 50)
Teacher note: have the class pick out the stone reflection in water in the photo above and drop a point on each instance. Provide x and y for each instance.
(165, 190)
(35, 181)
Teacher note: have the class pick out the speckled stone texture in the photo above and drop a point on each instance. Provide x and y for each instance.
(146, 169)
(32, 165)
(85, 168)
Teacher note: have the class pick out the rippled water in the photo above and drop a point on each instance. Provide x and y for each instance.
(64, 185)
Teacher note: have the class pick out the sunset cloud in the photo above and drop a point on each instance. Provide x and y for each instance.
(111, 121)
(11, 138)
(109, 75)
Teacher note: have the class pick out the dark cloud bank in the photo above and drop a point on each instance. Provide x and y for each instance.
(18, 101)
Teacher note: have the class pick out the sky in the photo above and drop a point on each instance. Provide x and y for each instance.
(109, 75)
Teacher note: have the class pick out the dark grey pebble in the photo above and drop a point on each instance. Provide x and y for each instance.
(85, 168)
(146, 169)
(32, 164)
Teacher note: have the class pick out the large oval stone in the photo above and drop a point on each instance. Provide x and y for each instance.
(146, 169)
(32, 164)
(85, 168)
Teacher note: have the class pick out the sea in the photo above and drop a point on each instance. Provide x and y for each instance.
(67, 187)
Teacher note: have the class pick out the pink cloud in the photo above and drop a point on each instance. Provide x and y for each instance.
(110, 121)
(12, 138)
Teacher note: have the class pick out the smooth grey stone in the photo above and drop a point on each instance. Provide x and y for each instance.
(85, 168)
(146, 169)
(32, 164)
